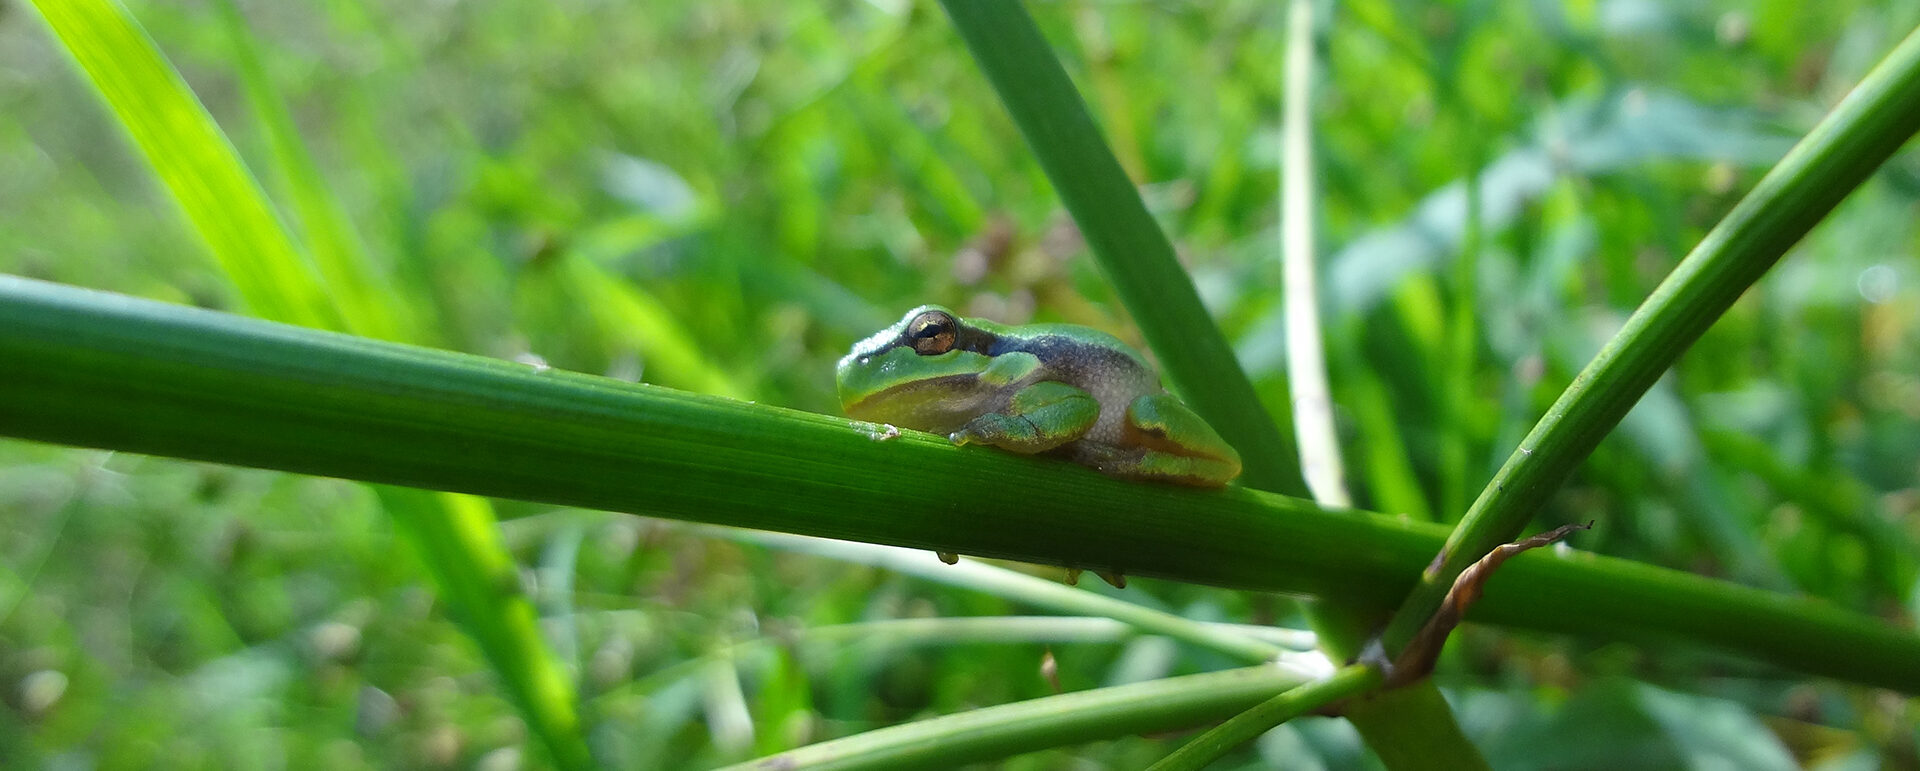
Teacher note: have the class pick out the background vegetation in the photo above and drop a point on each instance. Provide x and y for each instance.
(721, 197)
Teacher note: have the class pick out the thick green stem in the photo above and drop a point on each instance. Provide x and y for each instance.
(104, 370)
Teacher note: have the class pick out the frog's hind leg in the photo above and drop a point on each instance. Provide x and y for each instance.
(1166, 442)
(1039, 418)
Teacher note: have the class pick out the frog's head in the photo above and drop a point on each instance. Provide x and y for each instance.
(923, 372)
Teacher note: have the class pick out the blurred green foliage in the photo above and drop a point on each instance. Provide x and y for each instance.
(722, 196)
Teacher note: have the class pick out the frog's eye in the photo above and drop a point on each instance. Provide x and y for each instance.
(931, 333)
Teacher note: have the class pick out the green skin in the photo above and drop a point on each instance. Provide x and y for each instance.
(1065, 390)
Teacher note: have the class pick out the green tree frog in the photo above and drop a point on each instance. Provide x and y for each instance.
(1065, 390)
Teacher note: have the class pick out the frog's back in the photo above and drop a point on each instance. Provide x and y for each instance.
(1081, 355)
(1094, 361)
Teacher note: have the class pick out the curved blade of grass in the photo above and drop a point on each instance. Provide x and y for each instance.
(1457, 397)
(1388, 466)
(1136, 256)
(459, 542)
(1306, 362)
(104, 370)
(910, 632)
(192, 158)
(1028, 590)
(232, 214)
(1284, 706)
(631, 314)
(1069, 718)
(1872, 122)
(354, 286)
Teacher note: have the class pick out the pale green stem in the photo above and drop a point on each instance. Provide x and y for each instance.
(1314, 431)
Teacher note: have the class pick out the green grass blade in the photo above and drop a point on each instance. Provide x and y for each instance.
(632, 315)
(1394, 485)
(1462, 344)
(1867, 127)
(1306, 360)
(1009, 729)
(1031, 591)
(192, 158)
(1285, 706)
(914, 632)
(103, 370)
(1136, 255)
(367, 304)
(460, 543)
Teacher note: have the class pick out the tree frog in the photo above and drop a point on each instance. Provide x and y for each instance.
(1061, 389)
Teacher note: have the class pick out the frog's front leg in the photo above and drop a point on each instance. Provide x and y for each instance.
(1038, 418)
(1165, 441)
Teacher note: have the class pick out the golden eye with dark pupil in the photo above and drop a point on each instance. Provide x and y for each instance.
(931, 333)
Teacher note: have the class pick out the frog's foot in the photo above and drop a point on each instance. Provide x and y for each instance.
(948, 557)
(1154, 465)
(1113, 577)
(1039, 418)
